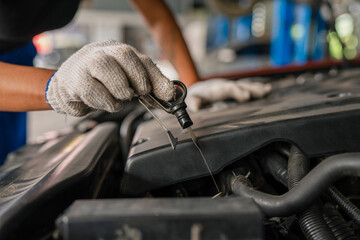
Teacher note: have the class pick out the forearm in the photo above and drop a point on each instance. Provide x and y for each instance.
(167, 34)
(23, 88)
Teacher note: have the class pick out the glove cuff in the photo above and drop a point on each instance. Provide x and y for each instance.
(47, 89)
(55, 98)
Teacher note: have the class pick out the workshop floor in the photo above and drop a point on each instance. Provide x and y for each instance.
(40, 122)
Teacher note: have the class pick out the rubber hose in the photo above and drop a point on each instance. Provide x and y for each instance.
(308, 189)
(310, 220)
(298, 167)
(275, 165)
(337, 224)
(348, 207)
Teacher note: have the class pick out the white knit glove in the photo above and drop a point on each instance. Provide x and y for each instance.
(103, 74)
(214, 90)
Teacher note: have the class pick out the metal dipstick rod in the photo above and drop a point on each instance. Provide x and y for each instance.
(193, 137)
(178, 109)
(171, 137)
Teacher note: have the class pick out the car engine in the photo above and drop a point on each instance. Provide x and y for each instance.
(287, 167)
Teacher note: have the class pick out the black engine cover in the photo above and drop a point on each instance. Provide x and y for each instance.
(38, 183)
(320, 116)
(162, 218)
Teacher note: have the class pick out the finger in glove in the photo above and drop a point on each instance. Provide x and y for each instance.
(132, 66)
(98, 97)
(162, 87)
(107, 71)
(256, 89)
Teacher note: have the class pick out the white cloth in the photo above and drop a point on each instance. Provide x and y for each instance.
(214, 90)
(102, 75)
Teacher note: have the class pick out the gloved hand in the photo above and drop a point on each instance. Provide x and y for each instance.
(214, 90)
(103, 74)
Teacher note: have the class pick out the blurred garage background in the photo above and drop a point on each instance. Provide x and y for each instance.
(223, 36)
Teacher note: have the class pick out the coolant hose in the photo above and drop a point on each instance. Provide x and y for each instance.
(276, 165)
(308, 189)
(310, 219)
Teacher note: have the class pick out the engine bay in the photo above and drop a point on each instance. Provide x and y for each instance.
(313, 116)
(287, 166)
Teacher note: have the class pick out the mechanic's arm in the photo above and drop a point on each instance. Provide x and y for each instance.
(23, 88)
(100, 76)
(168, 36)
